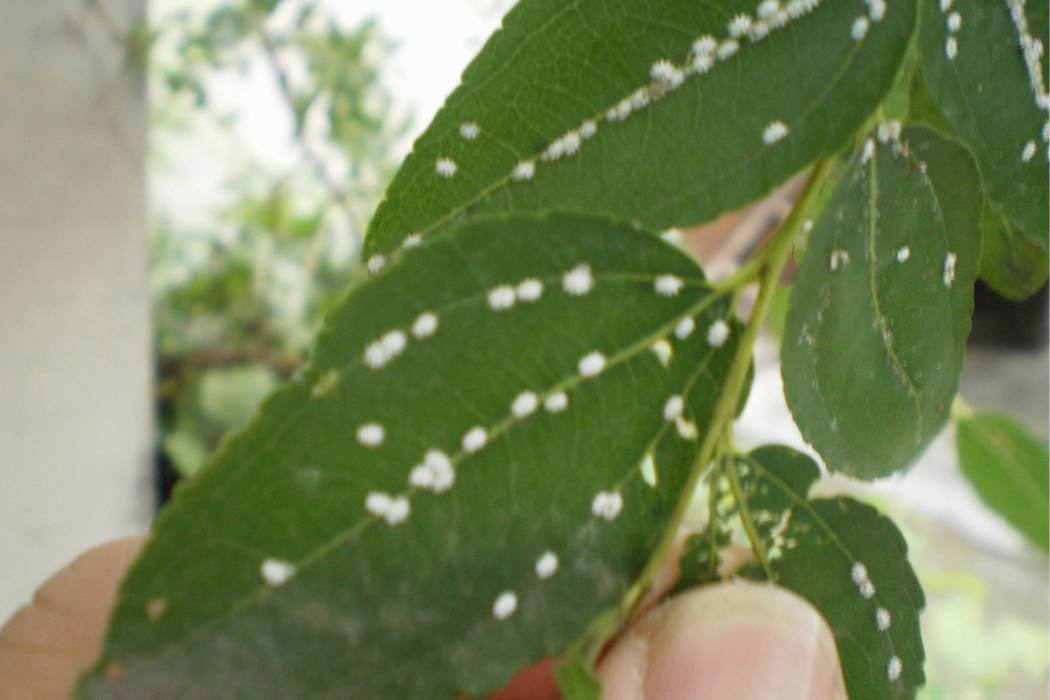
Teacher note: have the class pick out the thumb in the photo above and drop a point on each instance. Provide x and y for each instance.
(741, 640)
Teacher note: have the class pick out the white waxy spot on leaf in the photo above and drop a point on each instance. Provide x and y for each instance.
(445, 167)
(547, 565)
(739, 25)
(505, 605)
(524, 404)
(592, 364)
(607, 504)
(588, 129)
(774, 132)
(475, 439)
(951, 48)
(859, 29)
(425, 325)
(375, 264)
(954, 22)
(903, 253)
(648, 469)
(502, 297)
(893, 668)
(524, 171)
(949, 269)
(684, 328)
(663, 351)
(412, 240)
(718, 334)
(578, 281)
(868, 152)
(371, 435)
(882, 619)
(839, 258)
(530, 290)
(673, 407)
(556, 402)
(469, 130)
(276, 572)
(668, 285)
(1028, 152)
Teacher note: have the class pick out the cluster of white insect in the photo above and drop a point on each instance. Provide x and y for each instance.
(839, 259)
(861, 25)
(469, 130)
(859, 574)
(889, 131)
(776, 131)
(1032, 49)
(591, 364)
(949, 269)
(718, 333)
(607, 504)
(371, 435)
(276, 572)
(868, 151)
(882, 619)
(445, 167)
(578, 281)
(435, 473)
(375, 263)
(382, 351)
(505, 296)
(393, 509)
(893, 668)
(673, 408)
(903, 253)
(505, 605)
(668, 285)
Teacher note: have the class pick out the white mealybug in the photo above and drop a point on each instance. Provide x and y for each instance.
(893, 668)
(425, 325)
(578, 280)
(705, 45)
(393, 343)
(776, 131)
(371, 435)
(445, 167)
(946, 5)
(662, 350)
(702, 62)
(949, 269)
(951, 48)
(673, 407)
(440, 466)
(505, 605)
(524, 404)
(858, 572)
(375, 264)
(1028, 152)
(530, 290)
(474, 439)
(839, 258)
(882, 619)
(718, 333)
(588, 129)
(276, 572)
(868, 152)
(592, 364)
(412, 240)
(877, 9)
(556, 402)
(378, 503)
(759, 31)
(547, 564)
(767, 8)
(502, 297)
(668, 285)
(421, 477)
(469, 130)
(859, 29)
(620, 111)
(639, 98)
(807, 225)
(903, 253)
(648, 470)
(954, 22)
(867, 589)
(607, 504)
(667, 73)
(684, 328)
(375, 356)
(523, 171)
(687, 429)
(398, 511)
(739, 25)
(727, 48)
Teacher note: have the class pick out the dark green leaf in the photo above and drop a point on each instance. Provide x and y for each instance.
(1009, 468)
(880, 311)
(576, 680)
(558, 70)
(994, 99)
(1010, 264)
(269, 577)
(848, 561)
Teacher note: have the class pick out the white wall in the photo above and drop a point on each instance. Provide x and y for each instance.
(75, 365)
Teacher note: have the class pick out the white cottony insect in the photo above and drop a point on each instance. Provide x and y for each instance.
(524, 171)
(663, 351)
(667, 73)
(954, 22)
(718, 333)
(588, 129)
(839, 258)
(425, 325)
(893, 668)
(530, 290)
(607, 504)
(578, 280)
(727, 48)
(767, 8)
(673, 408)
(412, 240)
(951, 48)
(859, 29)
(392, 509)
(774, 132)
(648, 469)
(903, 253)
(474, 439)
(469, 130)
(547, 565)
(739, 25)
(375, 264)
(867, 589)
(393, 343)
(868, 152)
(556, 402)
(859, 573)
(378, 503)
(445, 167)
(371, 435)
(276, 572)
(882, 619)
(502, 297)
(687, 429)
(505, 605)
(398, 511)
(759, 30)
(876, 9)
(684, 328)
(592, 364)
(946, 5)
(1028, 152)
(668, 285)
(524, 404)
(435, 473)
(889, 131)
(949, 269)
(705, 45)
(702, 62)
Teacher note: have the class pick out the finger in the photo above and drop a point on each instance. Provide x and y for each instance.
(740, 640)
(46, 644)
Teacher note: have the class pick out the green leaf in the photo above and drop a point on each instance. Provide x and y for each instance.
(994, 99)
(1010, 468)
(1010, 264)
(848, 561)
(576, 680)
(271, 576)
(880, 311)
(557, 71)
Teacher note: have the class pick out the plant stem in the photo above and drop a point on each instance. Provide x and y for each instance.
(733, 469)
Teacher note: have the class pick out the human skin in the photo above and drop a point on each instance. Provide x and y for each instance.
(737, 640)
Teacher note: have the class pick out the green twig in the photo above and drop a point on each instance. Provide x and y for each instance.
(733, 470)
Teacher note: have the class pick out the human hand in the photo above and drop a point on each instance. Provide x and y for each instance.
(742, 641)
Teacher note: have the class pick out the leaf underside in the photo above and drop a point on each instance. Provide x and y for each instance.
(682, 154)
(1010, 263)
(267, 576)
(878, 318)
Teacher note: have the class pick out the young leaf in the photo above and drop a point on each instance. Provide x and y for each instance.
(1010, 263)
(1009, 468)
(848, 561)
(450, 486)
(576, 680)
(879, 314)
(646, 111)
(984, 70)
